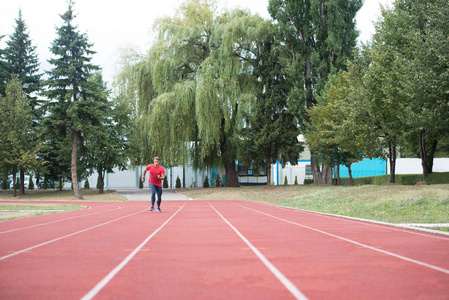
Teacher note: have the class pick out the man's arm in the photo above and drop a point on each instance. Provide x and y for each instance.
(143, 178)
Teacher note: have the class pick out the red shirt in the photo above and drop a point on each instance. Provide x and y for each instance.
(154, 172)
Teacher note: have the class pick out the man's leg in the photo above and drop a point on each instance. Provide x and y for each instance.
(159, 196)
(153, 194)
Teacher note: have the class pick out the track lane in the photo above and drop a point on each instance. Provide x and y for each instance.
(67, 268)
(195, 256)
(324, 266)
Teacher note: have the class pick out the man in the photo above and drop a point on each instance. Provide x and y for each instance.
(157, 174)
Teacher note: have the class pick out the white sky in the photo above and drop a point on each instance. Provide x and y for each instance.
(115, 25)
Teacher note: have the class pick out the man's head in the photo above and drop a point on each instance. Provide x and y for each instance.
(156, 161)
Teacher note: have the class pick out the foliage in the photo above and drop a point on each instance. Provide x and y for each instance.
(104, 137)
(69, 90)
(165, 183)
(17, 149)
(414, 36)
(206, 182)
(320, 36)
(178, 182)
(31, 183)
(194, 82)
(271, 126)
(285, 180)
(86, 184)
(22, 61)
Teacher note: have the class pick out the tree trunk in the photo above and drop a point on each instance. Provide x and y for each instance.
(22, 182)
(232, 179)
(431, 156)
(392, 158)
(351, 182)
(73, 165)
(338, 174)
(323, 175)
(268, 172)
(14, 175)
(423, 153)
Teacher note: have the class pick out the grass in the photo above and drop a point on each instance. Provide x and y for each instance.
(56, 195)
(10, 211)
(13, 209)
(387, 203)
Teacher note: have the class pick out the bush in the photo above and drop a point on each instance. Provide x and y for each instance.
(140, 182)
(4, 184)
(285, 180)
(296, 180)
(165, 184)
(86, 184)
(308, 181)
(31, 183)
(45, 184)
(206, 182)
(438, 178)
(217, 181)
(178, 182)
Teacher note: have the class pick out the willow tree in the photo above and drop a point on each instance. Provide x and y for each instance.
(192, 83)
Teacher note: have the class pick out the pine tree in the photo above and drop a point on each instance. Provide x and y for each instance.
(68, 85)
(4, 70)
(104, 136)
(23, 62)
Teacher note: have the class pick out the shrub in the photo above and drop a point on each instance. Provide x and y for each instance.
(31, 183)
(206, 182)
(165, 183)
(140, 182)
(86, 184)
(296, 180)
(308, 181)
(438, 178)
(285, 180)
(45, 184)
(178, 182)
(217, 181)
(4, 184)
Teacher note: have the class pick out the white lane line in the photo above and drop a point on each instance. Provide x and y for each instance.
(56, 221)
(284, 280)
(68, 235)
(356, 243)
(93, 292)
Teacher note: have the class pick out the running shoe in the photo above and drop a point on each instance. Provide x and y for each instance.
(159, 210)
(151, 208)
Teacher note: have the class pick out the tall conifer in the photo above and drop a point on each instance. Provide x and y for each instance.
(22, 62)
(68, 87)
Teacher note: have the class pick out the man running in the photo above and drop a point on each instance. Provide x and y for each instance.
(157, 174)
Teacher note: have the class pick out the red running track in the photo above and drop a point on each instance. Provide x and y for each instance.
(216, 250)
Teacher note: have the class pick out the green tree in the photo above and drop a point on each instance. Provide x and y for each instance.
(421, 46)
(192, 83)
(21, 59)
(4, 70)
(68, 86)
(408, 76)
(104, 136)
(16, 150)
(271, 127)
(320, 36)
